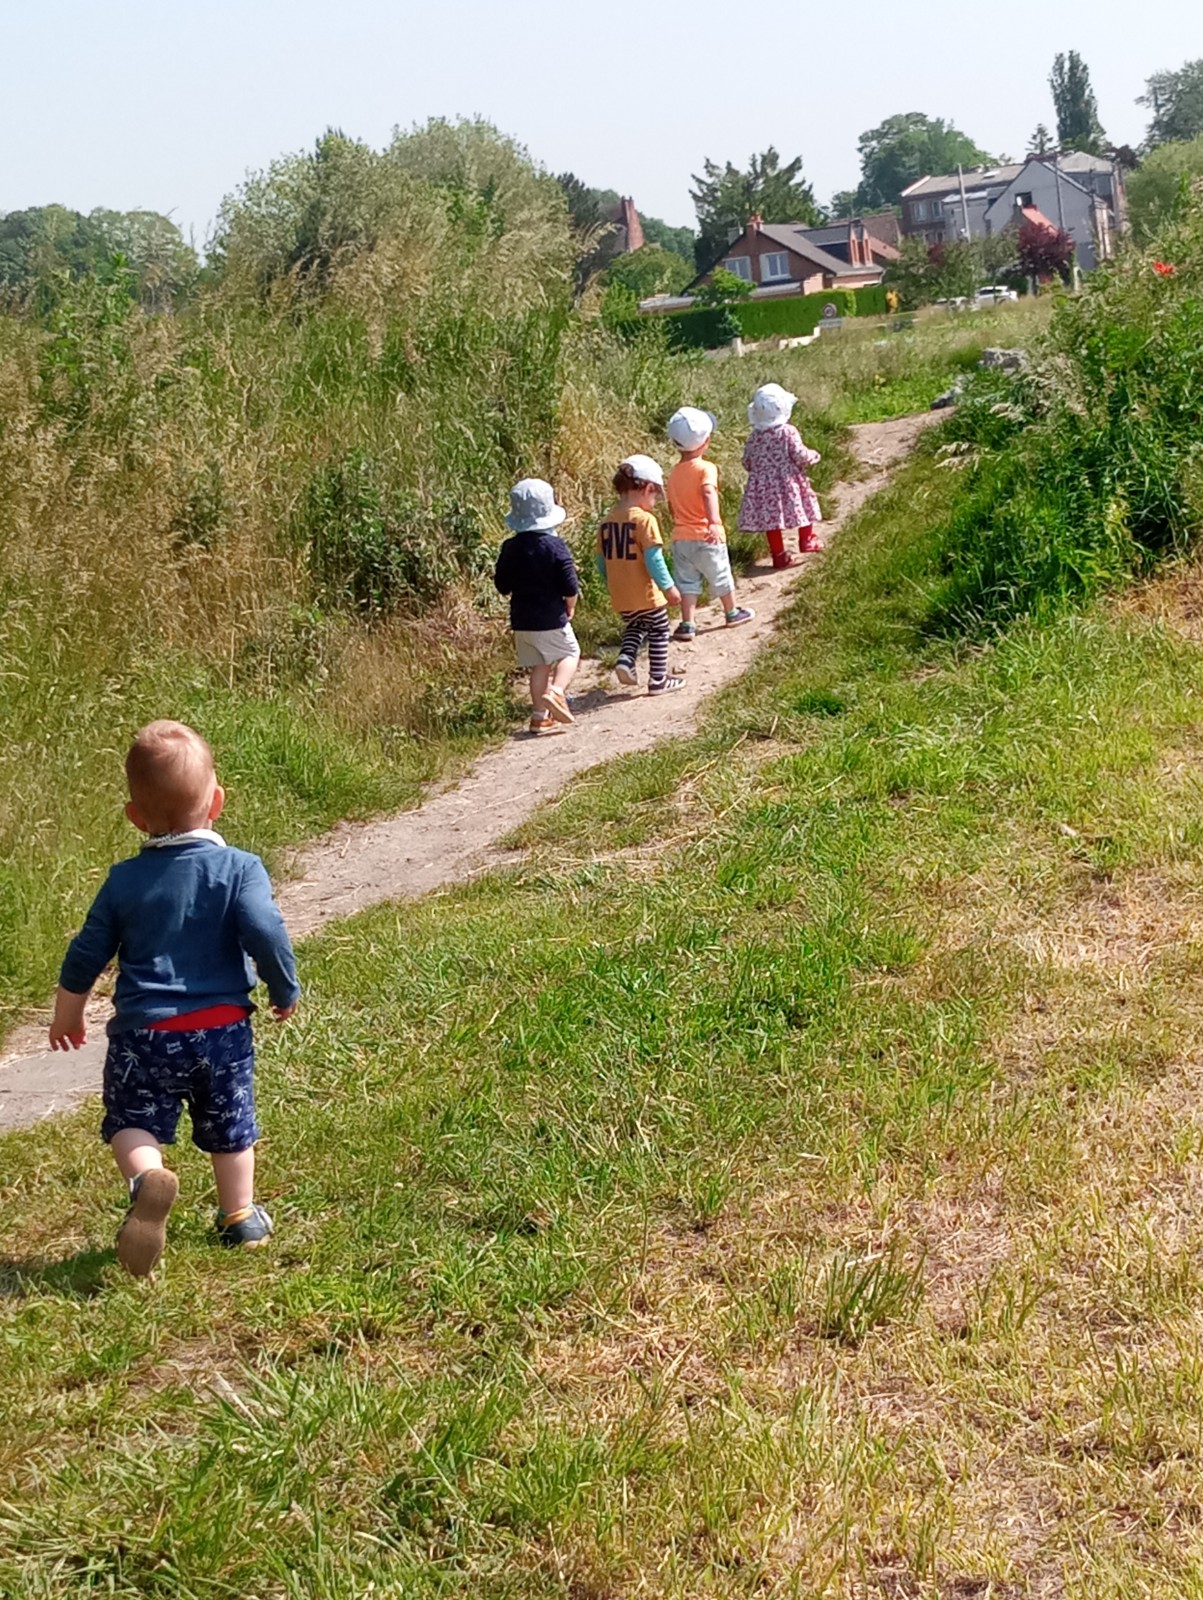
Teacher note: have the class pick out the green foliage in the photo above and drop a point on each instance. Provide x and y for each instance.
(870, 300)
(1087, 469)
(904, 148)
(705, 328)
(45, 247)
(1160, 186)
(649, 271)
(723, 288)
(725, 197)
(680, 241)
(1078, 126)
(1176, 101)
(793, 315)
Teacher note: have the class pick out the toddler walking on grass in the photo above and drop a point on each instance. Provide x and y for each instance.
(182, 917)
(699, 539)
(778, 493)
(535, 568)
(630, 557)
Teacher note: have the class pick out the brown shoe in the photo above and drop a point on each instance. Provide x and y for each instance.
(556, 702)
(143, 1234)
(542, 726)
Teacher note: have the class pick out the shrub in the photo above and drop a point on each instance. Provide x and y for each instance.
(705, 328)
(1086, 470)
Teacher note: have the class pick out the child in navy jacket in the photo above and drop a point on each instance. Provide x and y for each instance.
(535, 568)
(185, 919)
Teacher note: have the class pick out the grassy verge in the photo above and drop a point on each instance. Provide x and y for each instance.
(782, 1182)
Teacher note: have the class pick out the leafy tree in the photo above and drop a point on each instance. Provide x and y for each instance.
(1043, 251)
(723, 289)
(594, 213)
(1157, 189)
(44, 247)
(1078, 126)
(844, 203)
(679, 240)
(904, 148)
(649, 271)
(1041, 141)
(725, 197)
(1176, 101)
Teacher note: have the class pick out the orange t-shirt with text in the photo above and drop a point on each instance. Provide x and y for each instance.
(685, 484)
(625, 533)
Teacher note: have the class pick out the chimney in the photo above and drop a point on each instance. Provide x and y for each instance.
(632, 224)
(755, 222)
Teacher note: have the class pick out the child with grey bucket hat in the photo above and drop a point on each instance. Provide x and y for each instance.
(536, 570)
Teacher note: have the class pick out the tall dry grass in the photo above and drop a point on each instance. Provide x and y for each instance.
(275, 514)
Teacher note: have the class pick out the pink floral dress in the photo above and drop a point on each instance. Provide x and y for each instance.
(778, 492)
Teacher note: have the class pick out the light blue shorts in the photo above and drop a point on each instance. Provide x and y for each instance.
(696, 563)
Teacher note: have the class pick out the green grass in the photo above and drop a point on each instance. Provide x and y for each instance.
(779, 1182)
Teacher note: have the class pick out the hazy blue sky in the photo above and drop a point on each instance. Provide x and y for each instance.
(130, 104)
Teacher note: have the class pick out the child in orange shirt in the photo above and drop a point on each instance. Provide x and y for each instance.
(630, 557)
(699, 539)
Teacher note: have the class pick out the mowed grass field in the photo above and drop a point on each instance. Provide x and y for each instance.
(783, 1181)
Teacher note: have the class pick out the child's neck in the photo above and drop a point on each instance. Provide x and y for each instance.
(631, 502)
(693, 455)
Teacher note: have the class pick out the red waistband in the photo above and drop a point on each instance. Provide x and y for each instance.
(208, 1017)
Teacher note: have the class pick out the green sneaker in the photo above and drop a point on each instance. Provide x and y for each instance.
(246, 1229)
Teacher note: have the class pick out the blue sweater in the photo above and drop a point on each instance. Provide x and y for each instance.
(182, 920)
(538, 573)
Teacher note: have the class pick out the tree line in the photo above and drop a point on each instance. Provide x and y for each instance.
(43, 248)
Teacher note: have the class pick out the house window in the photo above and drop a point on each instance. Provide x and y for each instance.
(937, 210)
(741, 266)
(774, 267)
(919, 211)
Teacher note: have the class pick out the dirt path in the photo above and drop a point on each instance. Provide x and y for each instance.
(454, 834)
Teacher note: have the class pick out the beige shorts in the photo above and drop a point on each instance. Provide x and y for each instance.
(543, 647)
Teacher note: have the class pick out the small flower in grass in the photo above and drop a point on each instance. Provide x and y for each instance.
(1163, 269)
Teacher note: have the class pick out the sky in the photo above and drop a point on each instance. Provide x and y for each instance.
(132, 105)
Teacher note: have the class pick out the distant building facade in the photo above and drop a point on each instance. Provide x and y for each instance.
(1081, 193)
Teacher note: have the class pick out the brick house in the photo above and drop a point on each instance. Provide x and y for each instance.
(782, 258)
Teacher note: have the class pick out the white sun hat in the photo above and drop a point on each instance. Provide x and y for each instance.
(645, 469)
(533, 507)
(690, 427)
(771, 405)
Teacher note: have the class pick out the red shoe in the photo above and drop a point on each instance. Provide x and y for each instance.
(785, 560)
(808, 541)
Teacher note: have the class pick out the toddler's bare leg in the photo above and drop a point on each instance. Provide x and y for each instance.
(235, 1176)
(143, 1234)
(689, 604)
(564, 671)
(540, 677)
(136, 1151)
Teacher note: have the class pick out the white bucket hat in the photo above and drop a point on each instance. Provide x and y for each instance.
(690, 427)
(771, 405)
(533, 507)
(645, 469)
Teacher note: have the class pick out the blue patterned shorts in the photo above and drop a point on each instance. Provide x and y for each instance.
(150, 1075)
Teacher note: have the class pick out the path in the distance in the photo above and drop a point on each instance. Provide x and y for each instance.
(454, 835)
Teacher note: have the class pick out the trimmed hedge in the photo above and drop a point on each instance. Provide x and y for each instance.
(871, 300)
(703, 329)
(791, 317)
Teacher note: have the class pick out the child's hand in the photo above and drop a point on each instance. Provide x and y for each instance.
(673, 595)
(282, 1013)
(68, 1030)
(714, 534)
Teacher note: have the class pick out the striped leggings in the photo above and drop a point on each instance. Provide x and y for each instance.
(650, 625)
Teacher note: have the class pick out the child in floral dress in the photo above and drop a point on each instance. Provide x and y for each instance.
(778, 494)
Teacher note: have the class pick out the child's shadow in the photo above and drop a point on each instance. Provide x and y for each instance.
(80, 1275)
